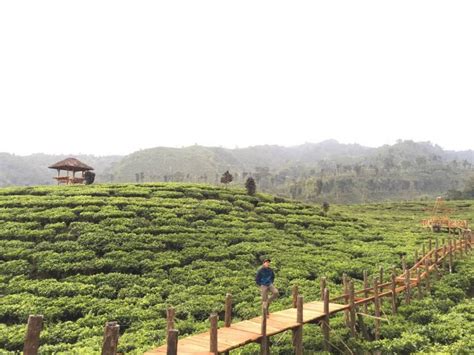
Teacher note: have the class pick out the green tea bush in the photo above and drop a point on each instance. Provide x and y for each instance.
(83, 255)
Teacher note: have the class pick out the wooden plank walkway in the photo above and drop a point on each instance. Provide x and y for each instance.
(248, 331)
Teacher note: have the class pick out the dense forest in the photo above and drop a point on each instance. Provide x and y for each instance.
(327, 171)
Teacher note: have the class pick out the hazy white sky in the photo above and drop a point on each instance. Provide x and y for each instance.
(111, 77)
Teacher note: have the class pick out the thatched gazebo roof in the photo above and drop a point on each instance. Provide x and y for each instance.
(71, 164)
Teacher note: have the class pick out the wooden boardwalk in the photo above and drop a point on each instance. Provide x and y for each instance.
(248, 331)
(411, 280)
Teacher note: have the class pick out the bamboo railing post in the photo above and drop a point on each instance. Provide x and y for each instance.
(407, 286)
(213, 334)
(427, 270)
(404, 263)
(466, 245)
(460, 246)
(172, 343)
(394, 292)
(298, 331)
(294, 294)
(352, 309)
(377, 309)
(110, 340)
(416, 256)
(366, 292)
(32, 336)
(228, 310)
(264, 344)
(322, 285)
(423, 249)
(325, 324)
(418, 283)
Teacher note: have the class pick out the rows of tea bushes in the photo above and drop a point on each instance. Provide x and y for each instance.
(82, 255)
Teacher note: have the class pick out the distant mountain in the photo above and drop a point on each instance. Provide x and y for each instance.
(312, 171)
(33, 169)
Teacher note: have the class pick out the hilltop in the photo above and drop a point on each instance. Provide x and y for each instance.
(82, 255)
(344, 173)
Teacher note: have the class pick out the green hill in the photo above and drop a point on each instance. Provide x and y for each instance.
(326, 171)
(83, 255)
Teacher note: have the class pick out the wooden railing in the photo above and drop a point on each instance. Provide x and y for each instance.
(422, 274)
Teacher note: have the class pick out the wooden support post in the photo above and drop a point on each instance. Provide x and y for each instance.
(427, 269)
(322, 285)
(352, 309)
(430, 245)
(418, 283)
(416, 256)
(407, 286)
(32, 337)
(172, 344)
(366, 292)
(213, 333)
(404, 263)
(299, 309)
(445, 248)
(466, 245)
(345, 282)
(294, 293)
(228, 310)
(460, 247)
(381, 277)
(298, 332)
(325, 324)
(264, 344)
(450, 256)
(377, 309)
(423, 249)
(394, 292)
(170, 313)
(111, 336)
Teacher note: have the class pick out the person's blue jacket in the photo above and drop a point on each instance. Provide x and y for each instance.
(265, 276)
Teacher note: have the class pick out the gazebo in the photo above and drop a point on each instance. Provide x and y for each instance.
(70, 164)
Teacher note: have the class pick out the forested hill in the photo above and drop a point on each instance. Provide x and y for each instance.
(312, 172)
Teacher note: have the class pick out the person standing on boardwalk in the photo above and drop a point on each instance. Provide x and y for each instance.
(265, 278)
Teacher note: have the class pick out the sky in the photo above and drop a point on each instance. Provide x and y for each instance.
(113, 77)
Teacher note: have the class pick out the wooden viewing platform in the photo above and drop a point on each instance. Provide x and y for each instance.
(258, 329)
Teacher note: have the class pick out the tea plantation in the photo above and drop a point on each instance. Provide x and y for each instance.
(84, 255)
